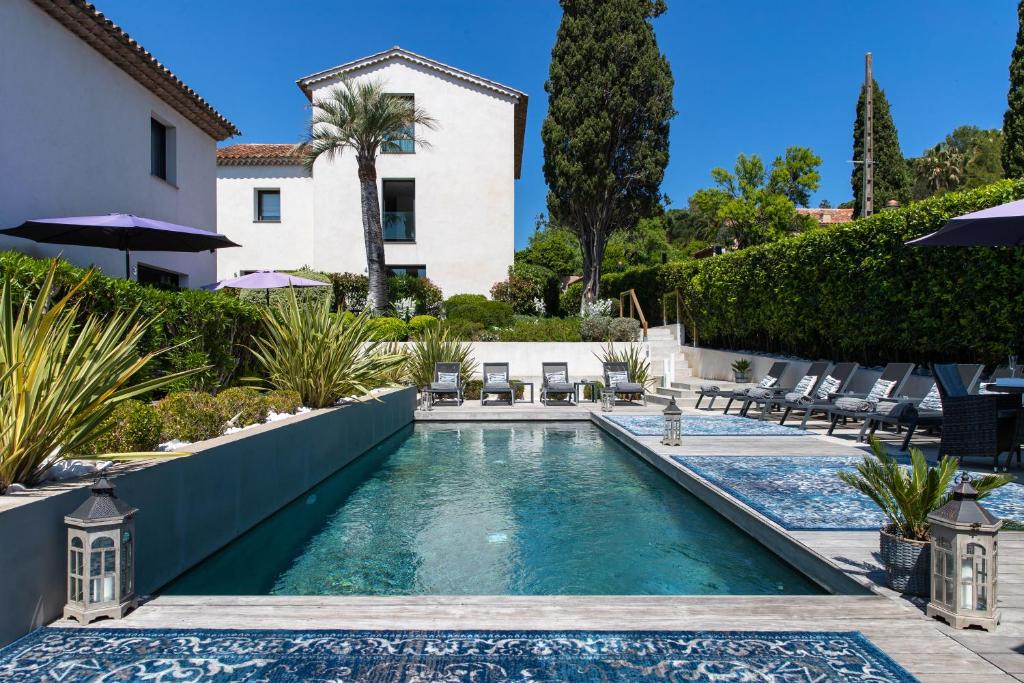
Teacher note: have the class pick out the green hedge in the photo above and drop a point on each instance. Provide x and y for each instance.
(209, 328)
(855, 292)
(645, 281)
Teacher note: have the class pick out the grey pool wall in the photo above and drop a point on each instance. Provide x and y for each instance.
(189, 507)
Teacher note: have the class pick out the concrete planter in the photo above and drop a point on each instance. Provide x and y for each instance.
(189, 507)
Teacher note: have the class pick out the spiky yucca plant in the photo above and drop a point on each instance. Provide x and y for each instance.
(321, 355)
(633, 356)
(59, 380)
(436, 346)
(907, 495)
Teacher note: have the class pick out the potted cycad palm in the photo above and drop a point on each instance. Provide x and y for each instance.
(741, 370)
(906, 495)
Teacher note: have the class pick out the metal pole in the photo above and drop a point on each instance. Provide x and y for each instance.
(127, 265)
(868, 205)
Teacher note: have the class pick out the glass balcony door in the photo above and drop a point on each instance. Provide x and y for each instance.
(399, 215)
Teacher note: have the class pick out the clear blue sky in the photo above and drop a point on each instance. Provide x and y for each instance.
(750, 76)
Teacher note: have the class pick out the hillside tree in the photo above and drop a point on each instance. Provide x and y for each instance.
(1013, 120)
(891, 171)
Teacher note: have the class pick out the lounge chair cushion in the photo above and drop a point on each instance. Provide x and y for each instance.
(629, 388)
(616, 378)
(709, 388)
(559, 388)
(828, 386)
(555, 377)
(493, 377)
(447, 377)
(891, 408)
(444, 387)
(932, 401)
(497, 387)
(855, 405)
(760, 392)
(881, 389)
(805, 384)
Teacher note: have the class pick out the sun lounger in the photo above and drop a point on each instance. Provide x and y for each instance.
(496, 381)
(555, 380)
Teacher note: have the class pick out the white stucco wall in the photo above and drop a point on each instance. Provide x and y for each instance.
(465, 212)
(74, 140)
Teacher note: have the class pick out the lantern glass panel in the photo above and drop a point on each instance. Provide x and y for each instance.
(126, 563)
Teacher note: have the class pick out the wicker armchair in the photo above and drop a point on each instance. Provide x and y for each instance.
(982, 426)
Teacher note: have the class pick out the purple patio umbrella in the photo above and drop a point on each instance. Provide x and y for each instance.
(122, 231)
(999, 226)
(268, 280)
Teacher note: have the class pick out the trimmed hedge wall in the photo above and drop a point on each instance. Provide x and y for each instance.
(855, 292)
(212, 328)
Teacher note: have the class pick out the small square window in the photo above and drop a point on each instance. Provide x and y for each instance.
(402, 143)
(268, 206)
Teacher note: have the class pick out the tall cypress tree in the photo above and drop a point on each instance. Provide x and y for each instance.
(606, 132)
(892, 173)
(1013, 120)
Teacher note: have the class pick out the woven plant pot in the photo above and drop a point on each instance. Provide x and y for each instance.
(907, 563)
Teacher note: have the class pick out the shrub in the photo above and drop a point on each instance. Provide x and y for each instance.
(645, 281)
(436, 345)
(517, 292)
(471, 389)
(477, 308)
(547, 284)
(595, 329)
(570, 299)
(464, 330)
(190, 416)
(527, 329)
(350, 291)
(624, 330)
(133, 426)
(62, 373)
(305, 295)
(855, 291)
(428, 297)
(322, 356)
(388, 329)
(283, 401)
(249, 405)
(420, 323)
(199, 328)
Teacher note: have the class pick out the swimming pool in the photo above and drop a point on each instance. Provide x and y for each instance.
(495, 509)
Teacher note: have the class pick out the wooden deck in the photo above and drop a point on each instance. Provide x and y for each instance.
(927, 648)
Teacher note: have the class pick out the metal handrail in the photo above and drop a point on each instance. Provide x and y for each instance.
(634, 308)
(675, 294)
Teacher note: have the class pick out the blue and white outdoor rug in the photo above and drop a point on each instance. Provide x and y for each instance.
(78, 655)
(704, 425)
(804, 493)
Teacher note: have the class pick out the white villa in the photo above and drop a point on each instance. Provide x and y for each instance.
(448, 209)
(91, 123)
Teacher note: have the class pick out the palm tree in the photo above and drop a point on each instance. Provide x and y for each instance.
(942, 168)
(365, 119)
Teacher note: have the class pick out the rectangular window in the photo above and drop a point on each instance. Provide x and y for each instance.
(155, 277)
(414, 271)
(268, 206)
(158, 149)
(403, 142)
(399, 215)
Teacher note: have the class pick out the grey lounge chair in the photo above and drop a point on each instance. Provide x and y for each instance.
(777, 394)
(550, 384)
(496, 381)
(860, 406)
(447, 388)
(777, 370)
(821, 400)
(912, 413)
(627, 388)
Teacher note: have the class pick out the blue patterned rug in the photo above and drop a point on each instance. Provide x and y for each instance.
(704, 425)
(79, 655)
(803, 493)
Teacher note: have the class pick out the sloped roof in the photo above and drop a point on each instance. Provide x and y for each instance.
(260, 154)
(110, 40)
(306, 84)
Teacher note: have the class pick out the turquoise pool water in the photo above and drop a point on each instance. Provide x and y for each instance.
(495, 509)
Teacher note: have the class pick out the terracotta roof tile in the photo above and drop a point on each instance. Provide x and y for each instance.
(260, 154)
(110, 40)
(827, 216)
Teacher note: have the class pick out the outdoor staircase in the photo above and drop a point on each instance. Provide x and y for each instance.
(665, 347)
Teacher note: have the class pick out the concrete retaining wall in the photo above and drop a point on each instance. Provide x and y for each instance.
(717, 365)
(189, 507)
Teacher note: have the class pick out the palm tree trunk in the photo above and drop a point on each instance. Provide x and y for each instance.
(373, 236)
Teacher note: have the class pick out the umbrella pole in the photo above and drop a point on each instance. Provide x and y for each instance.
(127, 265)
(268, 296)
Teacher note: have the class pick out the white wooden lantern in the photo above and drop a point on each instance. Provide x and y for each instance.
(963, 549)
(607, 400)
(426, 399)
(101, 556)
(673, 424)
